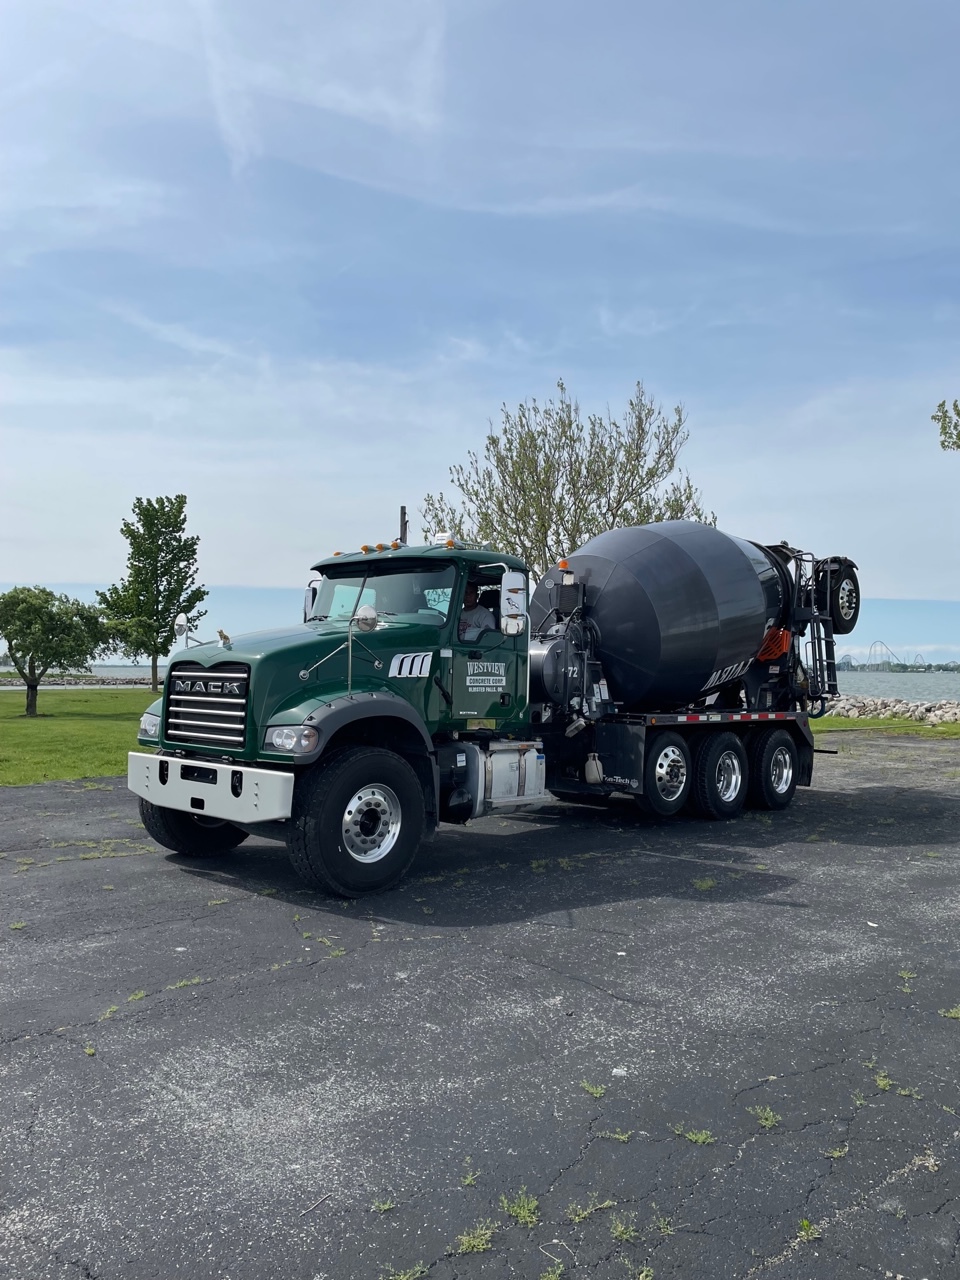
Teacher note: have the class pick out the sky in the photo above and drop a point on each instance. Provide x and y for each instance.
(291, 258)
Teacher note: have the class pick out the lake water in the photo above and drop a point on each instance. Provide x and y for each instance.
(915, 686)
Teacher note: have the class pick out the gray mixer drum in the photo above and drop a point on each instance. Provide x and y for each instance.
(680, 608)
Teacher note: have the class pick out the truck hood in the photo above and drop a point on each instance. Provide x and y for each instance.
(310, 640)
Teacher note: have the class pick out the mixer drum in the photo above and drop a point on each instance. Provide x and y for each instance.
(680, 608)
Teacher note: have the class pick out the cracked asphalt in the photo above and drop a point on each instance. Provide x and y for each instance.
(697, 1049)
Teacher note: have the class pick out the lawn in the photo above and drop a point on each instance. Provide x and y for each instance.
(79, 733)
(829, 724)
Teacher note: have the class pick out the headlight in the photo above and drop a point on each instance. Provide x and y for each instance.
(149, 725)
(301, 739)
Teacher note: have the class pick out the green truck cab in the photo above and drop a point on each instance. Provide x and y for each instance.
(351, 735)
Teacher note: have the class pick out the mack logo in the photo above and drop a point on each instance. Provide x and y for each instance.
(410, 665)
(727, 673)
(233, 688)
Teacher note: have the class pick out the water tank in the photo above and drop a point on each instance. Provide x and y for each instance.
(679, 608)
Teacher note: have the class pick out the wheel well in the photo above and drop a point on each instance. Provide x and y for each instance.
(747, 731)
(396, 735)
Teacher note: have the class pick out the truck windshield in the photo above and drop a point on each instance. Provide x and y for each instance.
(420, 595)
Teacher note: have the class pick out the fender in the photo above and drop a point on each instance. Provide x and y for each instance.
(332, 716)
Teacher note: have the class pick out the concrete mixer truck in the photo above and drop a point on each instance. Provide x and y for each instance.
(670, 663)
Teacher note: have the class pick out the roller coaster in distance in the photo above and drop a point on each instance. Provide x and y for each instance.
(881, 657)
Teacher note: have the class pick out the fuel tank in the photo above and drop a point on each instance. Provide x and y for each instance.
(678, 608)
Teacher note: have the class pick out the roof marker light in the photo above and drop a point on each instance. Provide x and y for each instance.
(381, 546)
(364, 548)
(563, 564)
(338, 553)
(394, 546)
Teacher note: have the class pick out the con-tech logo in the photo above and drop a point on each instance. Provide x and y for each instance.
(410, 665)
(486, 677)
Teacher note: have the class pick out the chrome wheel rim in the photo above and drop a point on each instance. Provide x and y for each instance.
(729, 776)
(371, 823)
(781, 771)
(847, 599)
(670, 773)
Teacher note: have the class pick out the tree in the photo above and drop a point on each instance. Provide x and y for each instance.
(949, 424)
(161, 580)
(46, 632)
(548, 481)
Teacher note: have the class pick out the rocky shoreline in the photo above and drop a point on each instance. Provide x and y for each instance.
(85, 682)
(852, 707)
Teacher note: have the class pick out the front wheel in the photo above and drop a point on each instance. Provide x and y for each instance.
(720, 776)
(773, 769)
(357, 821)
(190, 836)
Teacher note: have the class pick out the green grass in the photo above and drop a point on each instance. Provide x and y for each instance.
(78, 733)
(829, 724)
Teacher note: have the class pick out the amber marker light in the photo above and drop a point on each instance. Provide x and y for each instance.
(365, 548)
(450, 543)
(338, 553)
(394, 546)
(563, 564)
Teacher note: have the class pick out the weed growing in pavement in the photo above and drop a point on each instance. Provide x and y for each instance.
(552, 1273)
(137, 995)
(700, 1137)
(883, 1081)
(184, 982)
(19, 924)
(616, 1134)
(909, 1092)
(623, 1230)
(114, 1008)
(594, 1090)
(266, 893)
(580, 1212)
(479, 1239)
(705, 883)
(471, 1176)
(661, 1223)
(931, 855)
(383, 1206)
(218, 902)
(523, 1208)
(906, 975)
(538, 864)
(412, 1273)
(858, 1098)
(808, 1230)
(337, 952)
(767, 1118)
(950, 1013)
(645, 1273)
(837, 1153)
(89, 1050)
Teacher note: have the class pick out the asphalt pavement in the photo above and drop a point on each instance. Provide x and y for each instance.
(572, 1043)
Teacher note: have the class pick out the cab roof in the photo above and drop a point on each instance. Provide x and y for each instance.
(468, 556)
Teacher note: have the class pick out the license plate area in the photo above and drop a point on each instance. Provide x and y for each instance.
(198, 773)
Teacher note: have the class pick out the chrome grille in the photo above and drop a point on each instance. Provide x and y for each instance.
(207, 706)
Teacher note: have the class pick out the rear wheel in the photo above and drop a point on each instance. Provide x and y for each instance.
(357, 821)
(192, 837)
(667, 774)
(720, 776)
(773, 769)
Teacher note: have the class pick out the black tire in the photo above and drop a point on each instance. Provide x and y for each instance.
(190, 836)
(667, 774)
(357, 821)
(774, 767)
(842, 602)
(720, 776)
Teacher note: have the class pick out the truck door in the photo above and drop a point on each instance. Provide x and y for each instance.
(489, 672)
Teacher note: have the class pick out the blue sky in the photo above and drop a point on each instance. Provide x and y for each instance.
(290, 258)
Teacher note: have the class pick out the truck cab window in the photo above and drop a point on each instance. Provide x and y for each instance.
(421, 595)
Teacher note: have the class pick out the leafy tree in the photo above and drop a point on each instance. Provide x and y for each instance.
(949, 424)
(46, 632)
(161, 580)
(549, 481)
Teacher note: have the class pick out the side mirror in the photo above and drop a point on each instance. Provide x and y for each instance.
(309, 600)
(513, 603)
(180, 625)
(366, 618)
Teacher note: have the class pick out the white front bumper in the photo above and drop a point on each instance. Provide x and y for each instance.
(210, 789)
